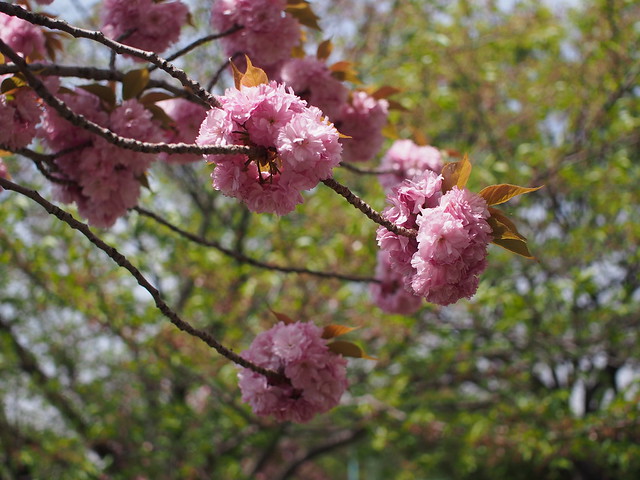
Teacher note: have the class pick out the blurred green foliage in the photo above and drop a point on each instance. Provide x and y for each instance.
(535, 377)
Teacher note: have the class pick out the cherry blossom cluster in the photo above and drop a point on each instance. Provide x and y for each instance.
(443, 263)
(268, 33)
(316, 376)
(19, 115)
(390, 293)
(294, 146)
(22, 36)
(187, 117)
(145, 24)
(102, 179)
(357, 115)
(408, 160)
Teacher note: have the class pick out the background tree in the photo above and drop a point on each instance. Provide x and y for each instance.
(534, 377)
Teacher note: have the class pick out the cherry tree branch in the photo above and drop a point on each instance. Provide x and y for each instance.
(97, 36)
(93, 73)
(123, 262)
(198, 42)
(129, 143)
(365, 208)
(245, 259)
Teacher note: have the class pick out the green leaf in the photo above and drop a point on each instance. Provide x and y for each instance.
(324, 50)
(348, 349)
(497, 194)
(301, 11)
(134, 83)
(332, 331)
(104, 93)
(456, 174)
(9, 85)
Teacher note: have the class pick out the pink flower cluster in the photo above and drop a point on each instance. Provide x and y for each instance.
(312, 81)
(317, 376)
(104, 179)
(19, 115)
(295, 147)
(4, 172)
(443, 263)
(359, 115)
(144, 24)
(268, 33)
(22, 36)
(390, 294)
(408, 160)
(362, 119)
(187, 118)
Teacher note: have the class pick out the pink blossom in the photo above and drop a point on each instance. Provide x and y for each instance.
(4, 172)
(22, 36)
(104, 179)
(144, 24)
(19, 115)
(312, 81)
(408, 160)
(317, 376)
(187, 117)
(268, 33)
(296, 147)
(363, 120)
(443, 263)
(390, 294)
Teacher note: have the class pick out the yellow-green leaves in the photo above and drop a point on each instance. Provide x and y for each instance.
(348, 349)
(332, 331)
(344, 72)
(324, 50)
(456, 174)
(497, 194)
(134, 83)
(506, 235)
(252, 77)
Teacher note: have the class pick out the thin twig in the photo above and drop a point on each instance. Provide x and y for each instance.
(198, 42)
(367, 210)
(245, 259)
(123, 262)
(97, 36)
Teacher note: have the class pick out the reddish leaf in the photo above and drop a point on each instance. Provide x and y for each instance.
(324, 50)
(104, 93)
(456, 174)
(134, 83)
(252, 77)
(497, 194)
(153, 97)
(514, 245)
(385, 92)
(504, 227)
(332, 331)
(348, 349)
(301, 11)
(283, 318)
(344, 71)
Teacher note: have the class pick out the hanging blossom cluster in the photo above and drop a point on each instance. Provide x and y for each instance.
(19, 115)
(390, 293)
(145, 24)
(268, 33)
(294, 147)
(22, 36)
(408, 160)
(187, 117)
(357, 115)
(317, 376)
(101, 178)
(443, 263)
